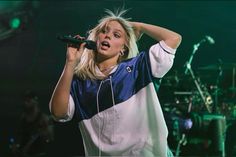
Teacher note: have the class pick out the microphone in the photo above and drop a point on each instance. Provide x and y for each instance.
(210, 39)
(77, 42)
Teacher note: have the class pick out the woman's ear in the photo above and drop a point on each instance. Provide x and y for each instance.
(122, 53)
(125, 49)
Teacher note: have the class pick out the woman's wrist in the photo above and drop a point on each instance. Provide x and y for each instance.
(138, 29)
(70, 64)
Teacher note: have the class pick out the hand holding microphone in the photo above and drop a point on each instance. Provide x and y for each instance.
(76, 46)
(77, 41)
(74, 52)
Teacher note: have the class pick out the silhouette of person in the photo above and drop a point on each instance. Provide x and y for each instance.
(35, 130)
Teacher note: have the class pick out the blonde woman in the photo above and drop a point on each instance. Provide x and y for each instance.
(110, 91)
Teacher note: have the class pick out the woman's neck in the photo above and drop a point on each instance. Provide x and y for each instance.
(106, 66)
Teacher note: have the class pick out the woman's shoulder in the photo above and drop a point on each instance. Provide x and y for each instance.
(134, 59)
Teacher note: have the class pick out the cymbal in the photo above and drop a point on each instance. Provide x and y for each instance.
(224, 66)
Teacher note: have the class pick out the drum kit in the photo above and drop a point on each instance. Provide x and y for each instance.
(210, 91)
(199, 102)
(206, 101)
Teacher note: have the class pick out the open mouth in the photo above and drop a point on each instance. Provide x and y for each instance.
(105, 44)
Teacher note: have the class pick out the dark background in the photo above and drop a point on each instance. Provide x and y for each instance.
(33, 58)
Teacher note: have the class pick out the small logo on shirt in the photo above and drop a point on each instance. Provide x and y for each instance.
(129, 69)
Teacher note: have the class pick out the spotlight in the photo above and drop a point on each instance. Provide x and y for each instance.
(15, 16)
(15, 23)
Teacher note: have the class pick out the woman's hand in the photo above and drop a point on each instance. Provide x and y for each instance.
(137, 29)
(74, 53)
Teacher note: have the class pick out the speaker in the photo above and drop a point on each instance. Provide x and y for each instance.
(216, 133)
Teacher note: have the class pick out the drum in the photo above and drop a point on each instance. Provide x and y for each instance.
(228, 109)
(210, 128)
(202, 124)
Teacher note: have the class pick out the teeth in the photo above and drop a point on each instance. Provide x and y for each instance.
(105, 43)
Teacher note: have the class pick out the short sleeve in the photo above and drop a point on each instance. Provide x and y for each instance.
(70, 111)
(161, 59)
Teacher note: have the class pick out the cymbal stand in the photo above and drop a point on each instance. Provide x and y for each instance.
(233, 82)
(189, 69)
(204, 99)
(217, 88)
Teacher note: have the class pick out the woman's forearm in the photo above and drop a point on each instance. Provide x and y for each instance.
(158, 33)
(60, 97)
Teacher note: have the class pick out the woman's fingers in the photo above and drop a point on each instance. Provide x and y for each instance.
(79, 37)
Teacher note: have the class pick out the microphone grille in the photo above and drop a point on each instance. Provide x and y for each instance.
(91, 45)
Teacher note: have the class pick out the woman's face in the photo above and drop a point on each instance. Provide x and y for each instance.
(111, 40)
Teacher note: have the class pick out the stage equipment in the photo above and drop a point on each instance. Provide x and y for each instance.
(212, 127)
(15, 16)
(203, 91)
(226, 106)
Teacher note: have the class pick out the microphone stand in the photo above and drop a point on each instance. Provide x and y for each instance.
(217, 89)
(195, 48)
(189, 69)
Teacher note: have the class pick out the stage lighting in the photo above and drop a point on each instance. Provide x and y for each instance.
(15, 23)
(15, 17)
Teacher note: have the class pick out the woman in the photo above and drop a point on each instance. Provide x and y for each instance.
(112, 97)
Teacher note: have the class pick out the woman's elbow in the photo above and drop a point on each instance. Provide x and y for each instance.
(174, 41)
(178, 39)
(57, 112)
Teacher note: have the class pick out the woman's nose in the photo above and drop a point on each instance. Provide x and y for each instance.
(108, 35)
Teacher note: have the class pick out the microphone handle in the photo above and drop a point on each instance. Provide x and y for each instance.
(77, 42)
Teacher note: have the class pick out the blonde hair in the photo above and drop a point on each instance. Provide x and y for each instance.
(85, 68)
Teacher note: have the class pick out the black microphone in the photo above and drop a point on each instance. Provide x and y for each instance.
(210, 39)
(77, 42)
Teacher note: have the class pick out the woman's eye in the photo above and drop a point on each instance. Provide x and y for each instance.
(117, 35)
